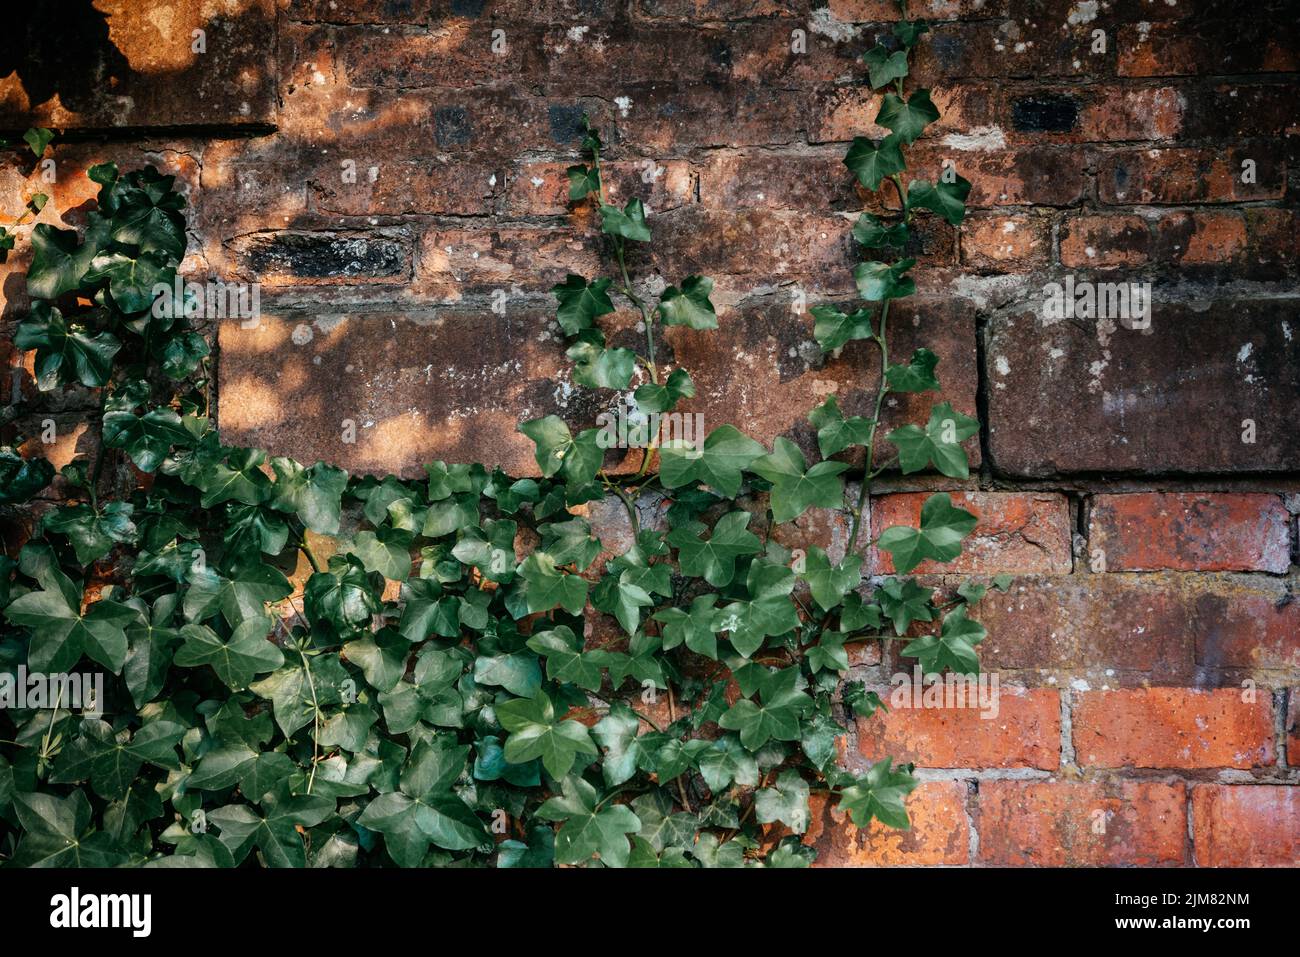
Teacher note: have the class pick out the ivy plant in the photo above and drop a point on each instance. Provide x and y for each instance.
(464, 674)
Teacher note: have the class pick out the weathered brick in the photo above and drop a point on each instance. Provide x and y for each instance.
(1105, 242)
(132, 63)
(1133, 113)
(1173, 728)
(1019, 533)
(1147, 400)
(1190, 531)
(1191, 175)
(1123, 630)
(542, 189)
(1043, 176)
(287, 258)
(1102, 824)
(1259, 44)
(1019, 728)
(1201, 238)
(1293, 728)
(1246, 825)
(939, 833)
(992, 242)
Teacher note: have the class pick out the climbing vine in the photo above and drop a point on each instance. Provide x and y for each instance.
(472, 717)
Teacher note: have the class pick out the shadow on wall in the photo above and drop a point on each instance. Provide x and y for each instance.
(61, 48)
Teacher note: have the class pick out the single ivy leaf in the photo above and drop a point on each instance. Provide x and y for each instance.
(565, 658)
(830, 583)
(37, 139)
(767, 612)
(273, 828)
(694, 628)
(879, 281)
(939, 442)
(535, 732)
(296, 693)
(549, 588)
(953, 647)
(65, 353)
(943, 526)
(314, 494)
(131, 280)
(873, 233)
(617, 734)
(628, 222)
(717, 463)
(519, 673)
(796, 488)
(583, 180)
(945, 198)
(909, 31)
(62, 633)
(597, 367)
(589, 830)
(21, 479)
(817, 737)
(344, 595)
(386, 551)
(833, 328)
(652, 397)
(775, 716)
(880, 794)
(835, 433)
(714, 560)
(903, 601)
(916, 376)
(244, 594)
(92, 533)
(829, 653)
(727, 761)
(690, 305)
(59, 260)
(581, 302)
(907, 120)
(885, 67)
(237, 659)
(147, 438)
(237, 479)
(577, 458)
(58, 832)
(786, 802)
(427, 611)
(111, 761)
(872, 161)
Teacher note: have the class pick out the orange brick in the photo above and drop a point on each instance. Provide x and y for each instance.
(998, 241)
(1246, 825)
(1173, 728)
(1024, 732)
(1190, 531)
(940, 833)
(1020, 533)
(1103, 242)
(1059, 824)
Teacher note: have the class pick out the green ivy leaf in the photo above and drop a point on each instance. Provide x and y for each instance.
(589, 830)
(694, 628)
(313, 494)
(872, 161)
(775, 716)
(916, 376)
(690, 305)
(903, 601)
(832, 328)
(652, 397)
(628, 222)
(939, 442)
(549, 588)
(93, 533)
(536, 733)
(581, 302)
(953, 647)
(62, 633)
(879, 281)
(943, 526)
(830, 583)
(874, 233)
(237, 659)
(577, 458)
(879, 794)
(836, 433)
(786, 802)
(946, 199)
(598, 367)
(885, 67)
(717, 463)
(714, 560)
(796, 488)
(907, 120)
(65, 353)
(37, 139)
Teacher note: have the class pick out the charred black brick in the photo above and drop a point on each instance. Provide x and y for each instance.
(452, 126)
(1046, 113)
(566, 123)
(328, 256)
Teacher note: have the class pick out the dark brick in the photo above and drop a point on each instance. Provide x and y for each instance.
(1045, 113)
(1094, 396)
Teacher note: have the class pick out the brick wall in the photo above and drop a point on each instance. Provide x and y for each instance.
(1149, 650)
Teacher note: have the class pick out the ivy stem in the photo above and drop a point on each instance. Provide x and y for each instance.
(311, 556)
(881, 391)
(315, 721)
(672, 716)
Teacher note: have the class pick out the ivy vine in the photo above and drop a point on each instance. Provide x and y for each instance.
(471, 720)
